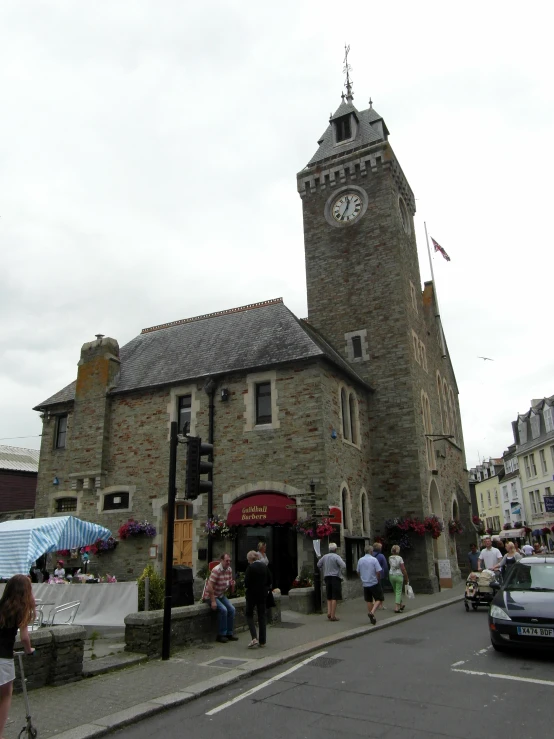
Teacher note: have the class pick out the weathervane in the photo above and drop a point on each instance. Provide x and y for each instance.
(347, 69)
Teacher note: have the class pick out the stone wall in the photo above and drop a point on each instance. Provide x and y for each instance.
(58, 657)
(190, 625)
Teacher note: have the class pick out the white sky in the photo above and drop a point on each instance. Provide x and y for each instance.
(148, 154)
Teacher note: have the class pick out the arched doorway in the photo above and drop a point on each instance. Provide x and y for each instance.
(440, 554)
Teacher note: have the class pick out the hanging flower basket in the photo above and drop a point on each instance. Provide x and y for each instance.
(528, 529)
(478, 524)
(217, 528)
(312, 528)
(489, 531)
(100, 547)
(433, 526)
(136, 528)
(546, 530)
(455, 527)
(518, 525)
(507, 526)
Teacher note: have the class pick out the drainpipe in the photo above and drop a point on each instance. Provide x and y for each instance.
(209, 388)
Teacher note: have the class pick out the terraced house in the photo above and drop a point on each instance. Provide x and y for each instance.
(351, 413)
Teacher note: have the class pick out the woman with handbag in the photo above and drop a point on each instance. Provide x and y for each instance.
(398, 577)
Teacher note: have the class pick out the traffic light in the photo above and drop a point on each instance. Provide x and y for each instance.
(197, 466)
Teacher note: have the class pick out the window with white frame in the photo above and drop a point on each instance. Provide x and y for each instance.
(513, 487)
(489, 498)
(535, 425)
(527, 467)
(482, 501)
(533, 465)
(548, 418)
(496, 497)
(507, 515)
(542, 457)
(505, 492)
(428, 430)
(261, 401)
(350, 421)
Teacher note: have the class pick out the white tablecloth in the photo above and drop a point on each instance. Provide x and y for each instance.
(102, 604)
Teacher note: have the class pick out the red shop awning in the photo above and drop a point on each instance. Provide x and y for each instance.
(262, 509)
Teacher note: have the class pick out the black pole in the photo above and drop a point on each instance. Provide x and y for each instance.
(166, 634)
(211, 472)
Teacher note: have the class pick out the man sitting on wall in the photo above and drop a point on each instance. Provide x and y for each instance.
(217, 584)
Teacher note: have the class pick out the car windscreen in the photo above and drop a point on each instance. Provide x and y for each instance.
(539, 577)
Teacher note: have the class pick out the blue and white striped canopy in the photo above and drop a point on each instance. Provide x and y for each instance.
(22, 542)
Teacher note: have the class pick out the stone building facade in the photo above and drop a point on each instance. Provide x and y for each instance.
(354, 410)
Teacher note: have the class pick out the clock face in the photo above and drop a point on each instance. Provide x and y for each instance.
(347, 207)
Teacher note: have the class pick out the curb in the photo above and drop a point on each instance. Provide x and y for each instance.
(108, 724)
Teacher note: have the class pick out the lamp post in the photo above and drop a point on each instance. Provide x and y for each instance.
(317, 571)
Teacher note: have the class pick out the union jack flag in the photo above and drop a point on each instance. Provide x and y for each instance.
(438, 247)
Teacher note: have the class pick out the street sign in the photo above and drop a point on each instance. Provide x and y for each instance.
(549, 503)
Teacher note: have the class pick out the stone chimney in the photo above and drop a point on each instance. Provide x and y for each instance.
(97, 374)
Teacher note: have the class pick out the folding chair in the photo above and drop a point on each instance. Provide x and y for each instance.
(68, 611)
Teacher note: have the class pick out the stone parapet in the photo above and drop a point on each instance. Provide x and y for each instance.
(189, 625)
(57, 660)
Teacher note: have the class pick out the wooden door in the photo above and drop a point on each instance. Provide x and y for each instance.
(182, 543)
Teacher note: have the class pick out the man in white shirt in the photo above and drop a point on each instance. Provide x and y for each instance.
(527, 550)
(489, 557)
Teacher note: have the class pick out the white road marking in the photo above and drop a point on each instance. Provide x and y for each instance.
(264, 685)
(457, 664)
(507, 677)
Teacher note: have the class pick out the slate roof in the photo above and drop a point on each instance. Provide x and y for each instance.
(261, 335)
(18, 459)
(365, 135)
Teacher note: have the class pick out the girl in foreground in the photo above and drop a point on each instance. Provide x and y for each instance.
(17, 611)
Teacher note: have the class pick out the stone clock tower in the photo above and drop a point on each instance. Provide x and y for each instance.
(365, 298)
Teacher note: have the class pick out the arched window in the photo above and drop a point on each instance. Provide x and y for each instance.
(365, 513)
(427, 430)
(353, 418)
(453, 414)
(455, 510)
(345, 415)
(446, 417)
(346, 511)
(439, 392)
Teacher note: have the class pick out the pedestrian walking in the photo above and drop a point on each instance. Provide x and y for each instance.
(257, 581)
(332, 566)
(380, 557)
(489, 556)
(473, 558)
(17, 611)
(509, 559)
(398, 577)
(369, 571)
(219, 581)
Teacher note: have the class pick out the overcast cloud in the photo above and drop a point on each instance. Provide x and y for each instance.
(147, 173)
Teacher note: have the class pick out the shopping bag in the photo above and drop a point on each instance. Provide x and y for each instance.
(410, 591)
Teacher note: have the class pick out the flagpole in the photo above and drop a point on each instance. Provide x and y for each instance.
(438, 313)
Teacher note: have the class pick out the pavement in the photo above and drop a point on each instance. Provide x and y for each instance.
(98, 705)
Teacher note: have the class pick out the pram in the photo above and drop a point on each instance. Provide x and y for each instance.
(479, 591)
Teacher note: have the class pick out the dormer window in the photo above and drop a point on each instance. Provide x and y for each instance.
(343, 128)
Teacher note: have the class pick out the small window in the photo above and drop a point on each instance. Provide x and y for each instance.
(535, 425)
(64, 505)
(404, 215)
(357, 346)
(61, 432)
(184, 414)
(344, 412)
(343, 128)
(263, 403)
(114, 501)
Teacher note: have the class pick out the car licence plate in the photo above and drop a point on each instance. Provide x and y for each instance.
(534, 631)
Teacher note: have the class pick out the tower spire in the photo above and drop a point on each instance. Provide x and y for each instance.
(347, 69)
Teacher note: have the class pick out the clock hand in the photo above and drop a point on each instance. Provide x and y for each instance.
(346, 207)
